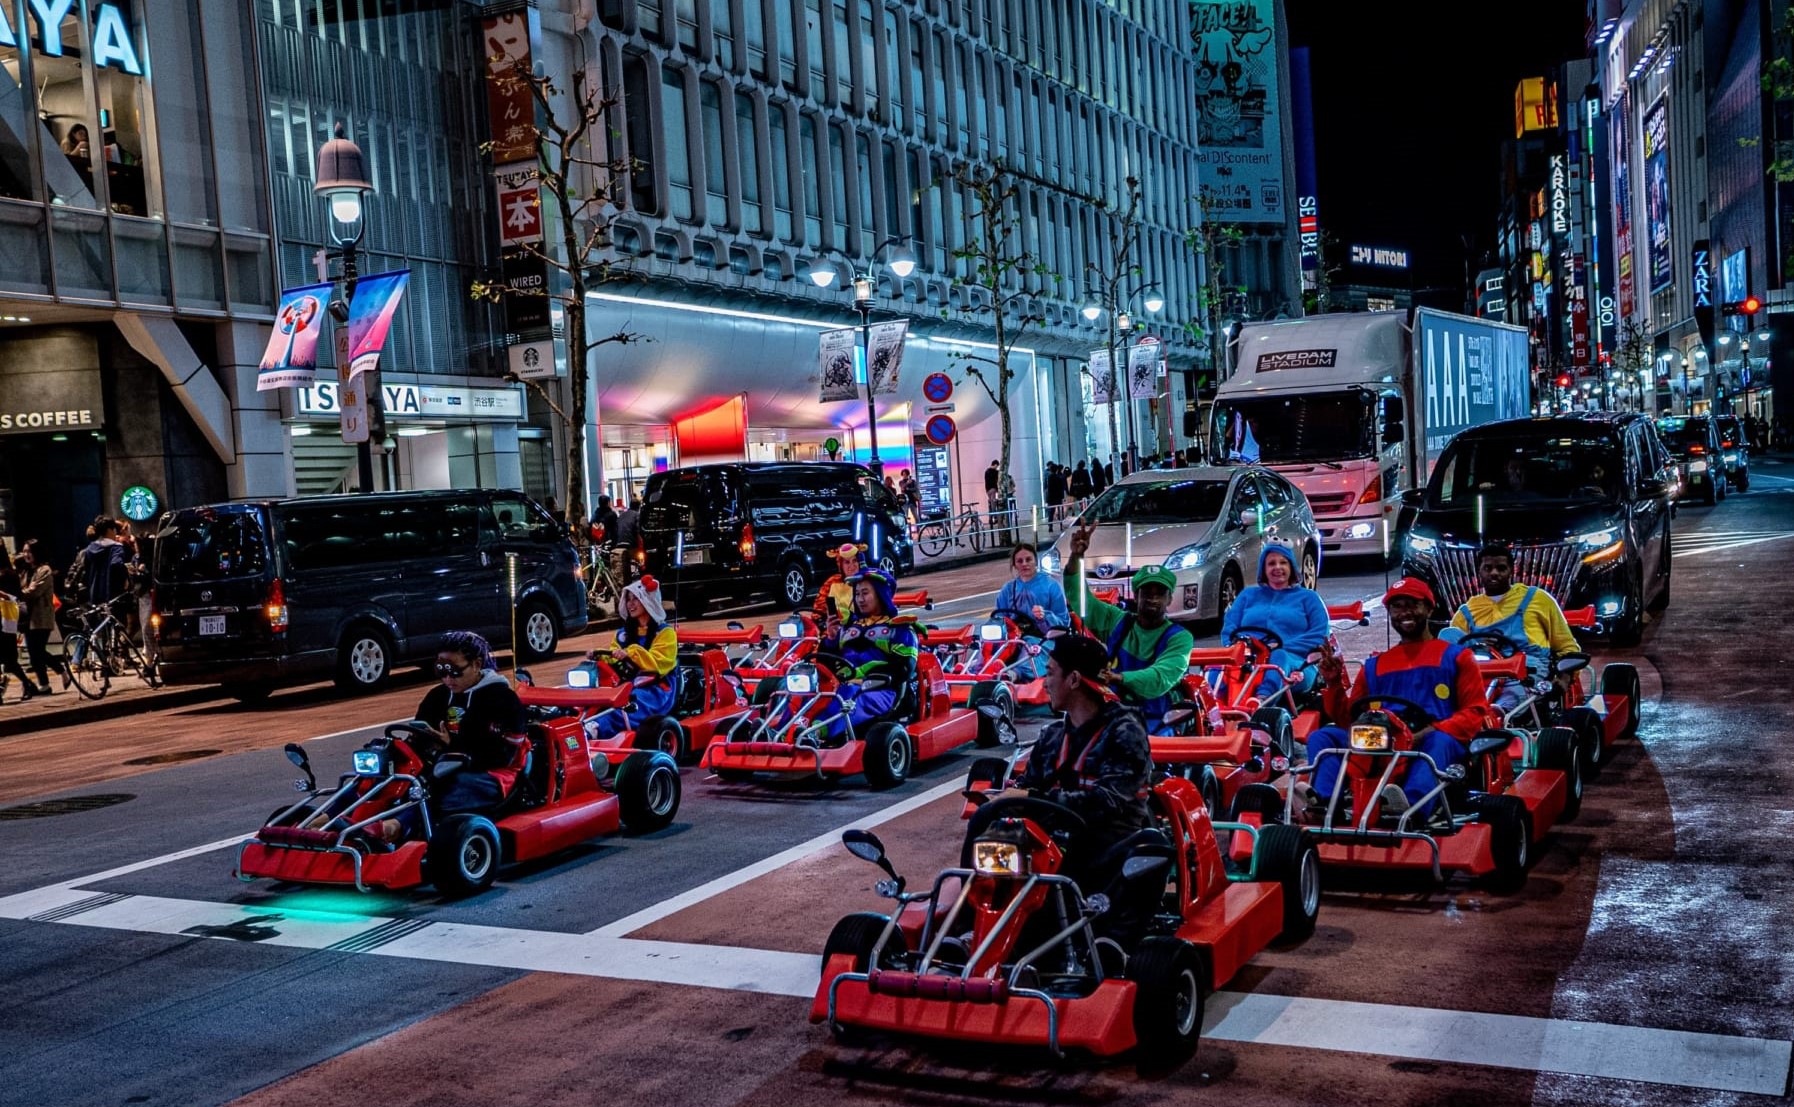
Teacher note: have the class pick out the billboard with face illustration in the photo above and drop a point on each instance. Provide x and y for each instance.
(1239, 129)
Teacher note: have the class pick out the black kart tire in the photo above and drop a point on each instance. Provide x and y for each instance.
(889, 756)
(857, 935)
(1510, 840)
(1276, 722)
(764, 690)
(663, 733)
(999, 731)
(1259, 799)
(1619, 678)
(1558, 749)
(1170, 991)
(463, 855)
(649, 789)
(1288, 856)
(1591, 737)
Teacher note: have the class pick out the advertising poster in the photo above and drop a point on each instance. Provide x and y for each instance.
(1622, 204)
(1239, 133)
(371, 309)
(510, 106)
(1143, 369)
(1102, 378)
(885, 352)
(935, 480)
(1656, 170)
(835, 357)
(1472, 372)
(291, 359)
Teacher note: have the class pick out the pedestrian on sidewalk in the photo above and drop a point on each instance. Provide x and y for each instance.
(11, 593)
(992, 476)
(1099, 477)
(1080, 482)
(39, 587)
(1055, 490)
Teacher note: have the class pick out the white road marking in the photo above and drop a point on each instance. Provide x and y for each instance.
(1718, 547)
(1607, 1051)
(827, 840)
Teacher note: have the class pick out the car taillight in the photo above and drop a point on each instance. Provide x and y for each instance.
(1697, 448)
(155, 627)
(277, 606)
(1372, 491)
(747, 541)
(641, 551)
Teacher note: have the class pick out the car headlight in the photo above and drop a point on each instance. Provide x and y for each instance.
(368, 763)
(997, 858)
(992, 632)
(1422, 546)
(1373, 739)
(1187, 557)
(1050, 562)
(1361, 530)
(1595, 539)
(801, 680)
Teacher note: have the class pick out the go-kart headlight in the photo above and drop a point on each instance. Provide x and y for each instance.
(992, 632)
(1596, 539)
(791, 628)
(369, 763)
(997, 858)
(801, 680)
(1187, 557)
(582, 676)
(1371, 739)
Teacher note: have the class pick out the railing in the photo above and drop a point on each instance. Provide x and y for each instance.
(973, 534)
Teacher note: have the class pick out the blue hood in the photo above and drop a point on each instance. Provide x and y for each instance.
(1288, 554)
(884, 586)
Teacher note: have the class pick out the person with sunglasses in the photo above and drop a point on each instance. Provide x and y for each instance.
(473, 710)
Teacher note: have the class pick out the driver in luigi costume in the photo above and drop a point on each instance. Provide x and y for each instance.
(873, 643)
(1148, 653)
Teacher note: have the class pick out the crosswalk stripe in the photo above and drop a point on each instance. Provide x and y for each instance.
(1719, 545)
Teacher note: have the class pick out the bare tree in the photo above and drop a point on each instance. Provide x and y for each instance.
(1213, 241)
(998, 265)
(1111, 276)
(582, 183)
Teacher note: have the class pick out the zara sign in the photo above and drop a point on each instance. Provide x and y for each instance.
(112, 45)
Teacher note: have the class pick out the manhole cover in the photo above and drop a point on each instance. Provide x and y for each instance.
(69, 806)
(171, 758)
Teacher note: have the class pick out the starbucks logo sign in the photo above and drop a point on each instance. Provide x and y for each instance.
(138, 504)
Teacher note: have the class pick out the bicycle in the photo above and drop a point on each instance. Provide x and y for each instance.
(603, 589)
(101, 649)
(935, 535)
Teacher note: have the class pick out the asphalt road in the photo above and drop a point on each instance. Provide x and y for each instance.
(1646, 961)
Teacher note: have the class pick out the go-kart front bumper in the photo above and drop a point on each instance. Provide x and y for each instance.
(338, 865)
(785, 757)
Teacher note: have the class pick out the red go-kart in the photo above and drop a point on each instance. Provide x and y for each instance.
(788, 732)
(1005, 949)
(555, 800)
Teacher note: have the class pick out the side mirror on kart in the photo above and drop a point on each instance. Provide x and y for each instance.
(296, 754)
(1179, 715)
(1571, 663)
(865, 845)
(1140, 868)
(524, 676)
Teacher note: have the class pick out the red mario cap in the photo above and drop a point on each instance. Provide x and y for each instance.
(1413, 588)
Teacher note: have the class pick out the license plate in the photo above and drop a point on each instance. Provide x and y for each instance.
(211, 624)
(696, 557)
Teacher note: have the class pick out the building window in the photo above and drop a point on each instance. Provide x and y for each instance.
(716, 187)
(687, 12)
(722, 31)
(675, 136)
(894, 25)
(787, 32)
(812, 178)
(753, 32)
(893, 194)
(918, 76)
(843, 59)
(918, 214)
(638, 117)
(815, 85)
(779, 150)
(837, 172)
(648, 16)
(747, 151)
(863, 214)
(869, 81)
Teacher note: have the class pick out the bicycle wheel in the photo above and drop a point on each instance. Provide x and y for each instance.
(133, 658)
(933, 538)
(977, 534)
(87, 666)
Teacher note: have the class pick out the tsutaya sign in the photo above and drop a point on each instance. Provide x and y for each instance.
(112, 43)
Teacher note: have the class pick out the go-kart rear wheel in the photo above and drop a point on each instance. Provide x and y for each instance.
(1262, 800)
(1275, 722)
(663, 733)
(463, 855)
(888, 756)
(648, 787)
(1557, 750)
(1170, 988)
(1591, 736)
(1210, 786)
(1510, 840)
(1288, 856)
(1621, 679)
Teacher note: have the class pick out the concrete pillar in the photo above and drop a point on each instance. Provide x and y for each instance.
(263, 467)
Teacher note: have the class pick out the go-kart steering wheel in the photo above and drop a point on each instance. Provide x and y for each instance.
(1054, 818)
(409, 731)
(1405, 709)
(1024, 621)
(837, 664)
(1271, 639)
(1493, 638)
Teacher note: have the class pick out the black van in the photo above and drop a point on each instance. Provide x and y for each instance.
(1583, 500)
(259, 594)
(748, 529)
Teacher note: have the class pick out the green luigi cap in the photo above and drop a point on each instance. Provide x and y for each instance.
(1155, 574)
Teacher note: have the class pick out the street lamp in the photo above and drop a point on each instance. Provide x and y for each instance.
(823, 273)
(1122, 320)
(342, 181)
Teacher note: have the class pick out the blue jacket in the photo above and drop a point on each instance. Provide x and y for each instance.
(1294, 614)
(1043, 591)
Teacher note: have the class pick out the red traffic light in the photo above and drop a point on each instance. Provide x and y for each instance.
(1563, 380)
(1751, 305)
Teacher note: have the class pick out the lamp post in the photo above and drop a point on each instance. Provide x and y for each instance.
(901, 262)
(342, 182)
(1121, 319)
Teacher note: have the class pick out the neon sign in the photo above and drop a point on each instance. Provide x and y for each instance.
(112, 44)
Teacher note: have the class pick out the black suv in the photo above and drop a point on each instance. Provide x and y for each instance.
(1584, 500)
(1693, 441)
(1736, 450)
(747, 529)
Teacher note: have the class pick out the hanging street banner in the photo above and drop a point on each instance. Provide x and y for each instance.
(1102, 378)
(291, 359)
(371, 310)
(885, 355)
(1143, 369)
(836, 354)
(351, 394)
(1239, 132)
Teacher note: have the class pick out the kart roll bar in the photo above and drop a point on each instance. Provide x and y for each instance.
(1363, 829)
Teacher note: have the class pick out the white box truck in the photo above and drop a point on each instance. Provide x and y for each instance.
(1355, 408)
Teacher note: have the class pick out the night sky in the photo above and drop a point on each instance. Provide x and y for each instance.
(1411, 103)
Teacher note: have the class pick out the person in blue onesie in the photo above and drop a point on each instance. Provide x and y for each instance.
(1282, 605)
(645, 642)
(873, 643)
(1440, 678)
(1037, 596)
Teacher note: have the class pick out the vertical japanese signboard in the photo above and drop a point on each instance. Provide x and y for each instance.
(511, 114)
